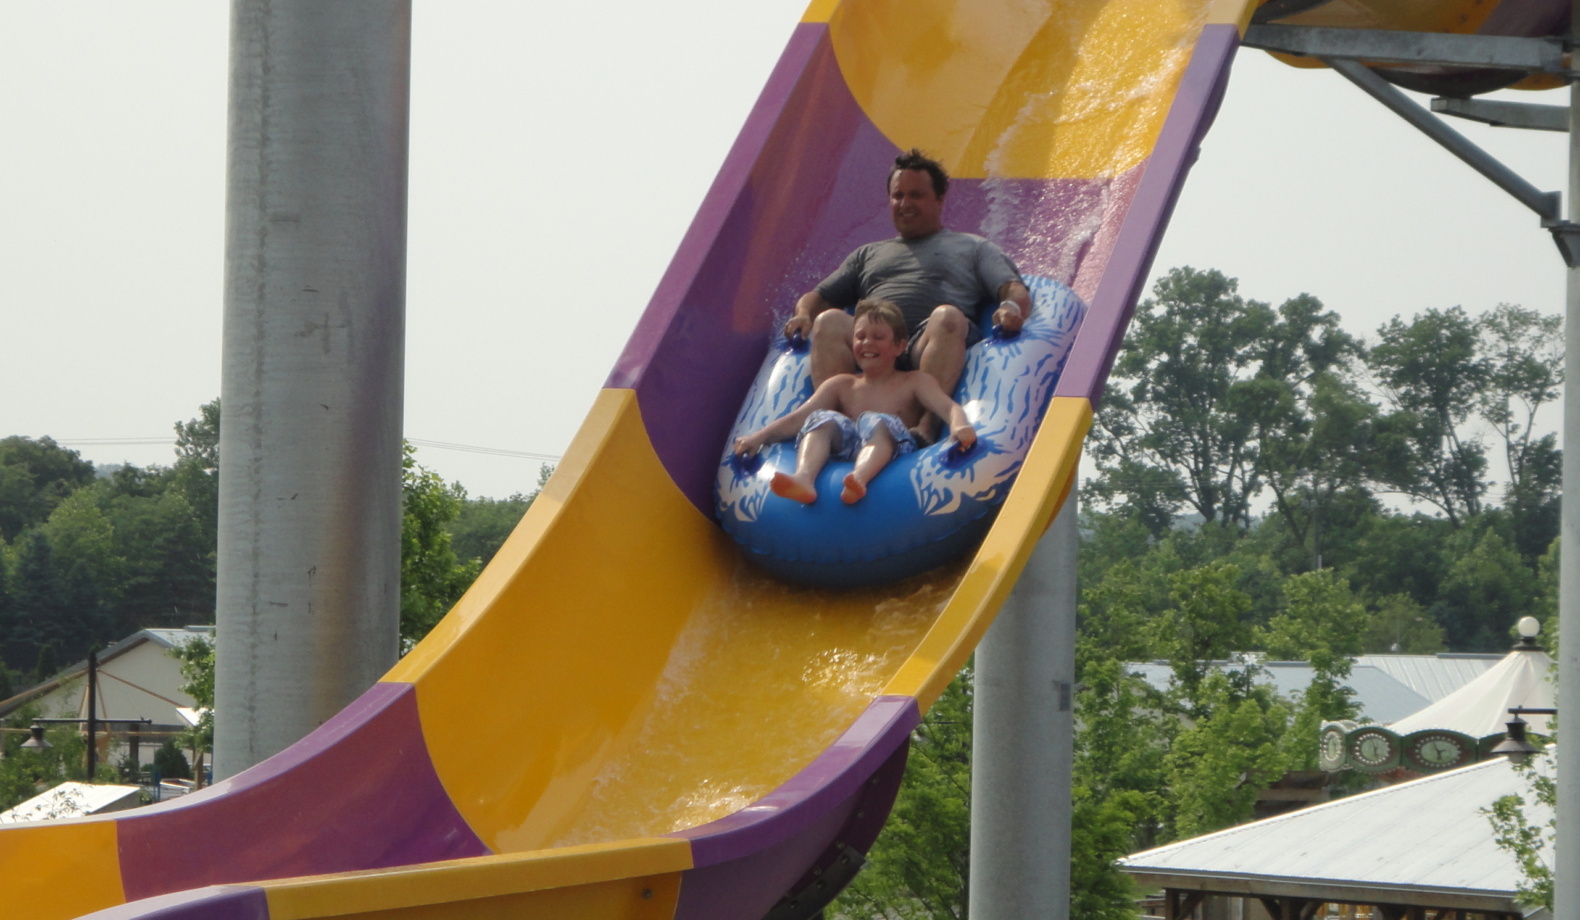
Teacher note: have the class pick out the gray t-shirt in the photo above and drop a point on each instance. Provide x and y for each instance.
(917, 275)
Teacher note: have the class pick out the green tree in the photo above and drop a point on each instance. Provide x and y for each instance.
(484, 523)
(7, 607)
(1207, 381)
(35, 476)
(1205, 623)
(1433, 375)
(47, 664)
(1315, 462)
(1323, 623)
(38, 601)
(1222, 762)
(196, 472)
(1397, 624)
(1524, 351)
(918, 867)
(1173, 413)
(197, 675)
(89, 570)
(1484, 592)
(170, 762)
(432, 578)
(1119, 781)
(481, 526)
(1398, 554)
(1114, 619)
(167, 558)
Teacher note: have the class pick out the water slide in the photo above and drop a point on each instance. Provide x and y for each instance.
(621, 718)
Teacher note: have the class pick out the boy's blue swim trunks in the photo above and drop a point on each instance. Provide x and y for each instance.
(850, 435)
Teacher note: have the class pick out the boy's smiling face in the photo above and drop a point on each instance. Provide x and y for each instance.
(875, 345)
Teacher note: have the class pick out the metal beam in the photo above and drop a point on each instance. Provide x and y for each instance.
(1497, 52)
(1545, 204)
(1531, 115)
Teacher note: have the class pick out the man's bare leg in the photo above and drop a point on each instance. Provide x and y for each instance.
(941, 352)
(832, 334)
(801, 486)
(874, 456)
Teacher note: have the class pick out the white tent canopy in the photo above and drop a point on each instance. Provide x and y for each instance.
(1481, 707)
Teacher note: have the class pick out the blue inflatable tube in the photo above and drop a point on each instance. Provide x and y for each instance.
(924, 508)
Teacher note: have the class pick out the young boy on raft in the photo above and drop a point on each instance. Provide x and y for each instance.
(866, 417)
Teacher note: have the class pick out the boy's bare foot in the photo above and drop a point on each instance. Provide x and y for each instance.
(788, 486)
(855, 490)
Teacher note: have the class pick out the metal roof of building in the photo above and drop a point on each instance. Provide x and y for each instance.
(1378, 694)
(169, 638)
(1387, 687)
(1432, 676)
(73, 800)
(1408, 843)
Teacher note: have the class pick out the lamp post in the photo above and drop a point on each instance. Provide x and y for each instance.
(36, 742)
(1517, 746)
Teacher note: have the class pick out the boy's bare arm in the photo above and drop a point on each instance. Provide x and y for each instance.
(936, 401)
(785, 426)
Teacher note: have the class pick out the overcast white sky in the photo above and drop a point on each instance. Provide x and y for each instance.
(538, 128)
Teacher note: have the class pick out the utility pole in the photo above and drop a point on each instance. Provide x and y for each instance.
(308, 600)
(1022, 739)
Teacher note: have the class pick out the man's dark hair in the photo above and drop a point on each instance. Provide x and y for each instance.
(915, 159)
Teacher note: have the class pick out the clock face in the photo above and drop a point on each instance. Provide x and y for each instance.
(1332, 748)
(1372, 749)
(1438, 750)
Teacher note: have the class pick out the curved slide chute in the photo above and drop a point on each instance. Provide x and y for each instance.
(621, 718)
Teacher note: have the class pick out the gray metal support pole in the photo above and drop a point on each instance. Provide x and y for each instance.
(311, 396)
(1566, 868)
(1023, 740)
(1545, 204)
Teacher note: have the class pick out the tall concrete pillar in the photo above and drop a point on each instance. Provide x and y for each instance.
(311, 397)
(1566, 867)
(1022, 745)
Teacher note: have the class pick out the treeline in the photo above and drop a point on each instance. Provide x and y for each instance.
(89, 556)
(86, 559)
(1295, 447)
(1268, 487)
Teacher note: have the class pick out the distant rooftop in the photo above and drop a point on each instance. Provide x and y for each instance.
(1422, 842)
(1433, 676)
(73, 800)
(1387, 687)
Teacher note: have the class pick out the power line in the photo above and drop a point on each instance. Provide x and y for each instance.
(420, 442)
(114, 442)
(495, 451)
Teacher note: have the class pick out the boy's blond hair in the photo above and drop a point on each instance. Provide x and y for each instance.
(884, 311)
